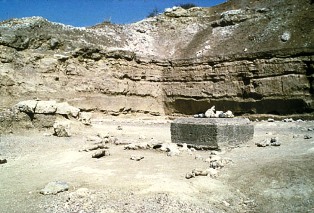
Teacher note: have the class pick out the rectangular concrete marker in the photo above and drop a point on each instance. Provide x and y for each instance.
(211, 132)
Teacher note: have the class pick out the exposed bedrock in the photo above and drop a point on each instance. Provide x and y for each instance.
(243, 56)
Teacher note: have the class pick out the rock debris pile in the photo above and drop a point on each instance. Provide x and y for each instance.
(269, 142)
(212, 113)
(215, 162)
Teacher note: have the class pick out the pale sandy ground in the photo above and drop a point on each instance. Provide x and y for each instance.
(270, 179)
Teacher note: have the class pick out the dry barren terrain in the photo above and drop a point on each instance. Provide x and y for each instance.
(257, 179)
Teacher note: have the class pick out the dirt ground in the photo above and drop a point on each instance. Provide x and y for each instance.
(259, 179)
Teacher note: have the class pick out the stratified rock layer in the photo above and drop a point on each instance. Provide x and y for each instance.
(243, 56)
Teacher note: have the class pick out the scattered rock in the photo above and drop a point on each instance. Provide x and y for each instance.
(189, 175)
(263, 143)
(101, 153)
(62, 129)
(94, 147)
(85, 118)
(213, 173)
(226, 203)
(285, 36)
(287, 120)
(275, 141)
(3, 161)
(227, 114)
(218, 162)
(266, 142)
(270, 120)
(137, 146)
(54, 188)
(173, 150)
(307, 137)
(310, 129)
(136, 158)
(210, 113)
(119, 128)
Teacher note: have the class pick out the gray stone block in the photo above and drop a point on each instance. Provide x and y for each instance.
(211, 132)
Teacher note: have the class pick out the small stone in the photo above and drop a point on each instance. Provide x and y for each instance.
(136, 158)
(101, 153)
(288, 120)
(263, 143)
(285, 36)
(119, 127)
(307, 137)
(85, 118)
(3, 161)
(213, 173)
(94, 147)
(310, 129)
(54, 188)
(271, 120)
(275, 141)
(172, 150)
(226, 203)
(189, 175)
(199, 172)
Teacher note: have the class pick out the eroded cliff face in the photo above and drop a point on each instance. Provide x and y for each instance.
(244, 56)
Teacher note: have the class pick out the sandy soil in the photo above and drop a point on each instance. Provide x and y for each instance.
(259, 179)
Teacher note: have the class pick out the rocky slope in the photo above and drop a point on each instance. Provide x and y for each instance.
(246, 56)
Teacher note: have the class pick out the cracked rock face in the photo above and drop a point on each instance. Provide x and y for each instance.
(243, 56)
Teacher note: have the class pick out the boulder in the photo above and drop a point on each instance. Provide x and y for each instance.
(66, 109)
(62, 129)
(27, 106)
(46, 107)
(54, 188)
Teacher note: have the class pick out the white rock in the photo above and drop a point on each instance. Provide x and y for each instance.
(213, 173)
(66, 109)
(219, 114)
(46, 107)
(210, 113)
(27, 106)
(54, 188)
(228, 114)
(85, 118)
